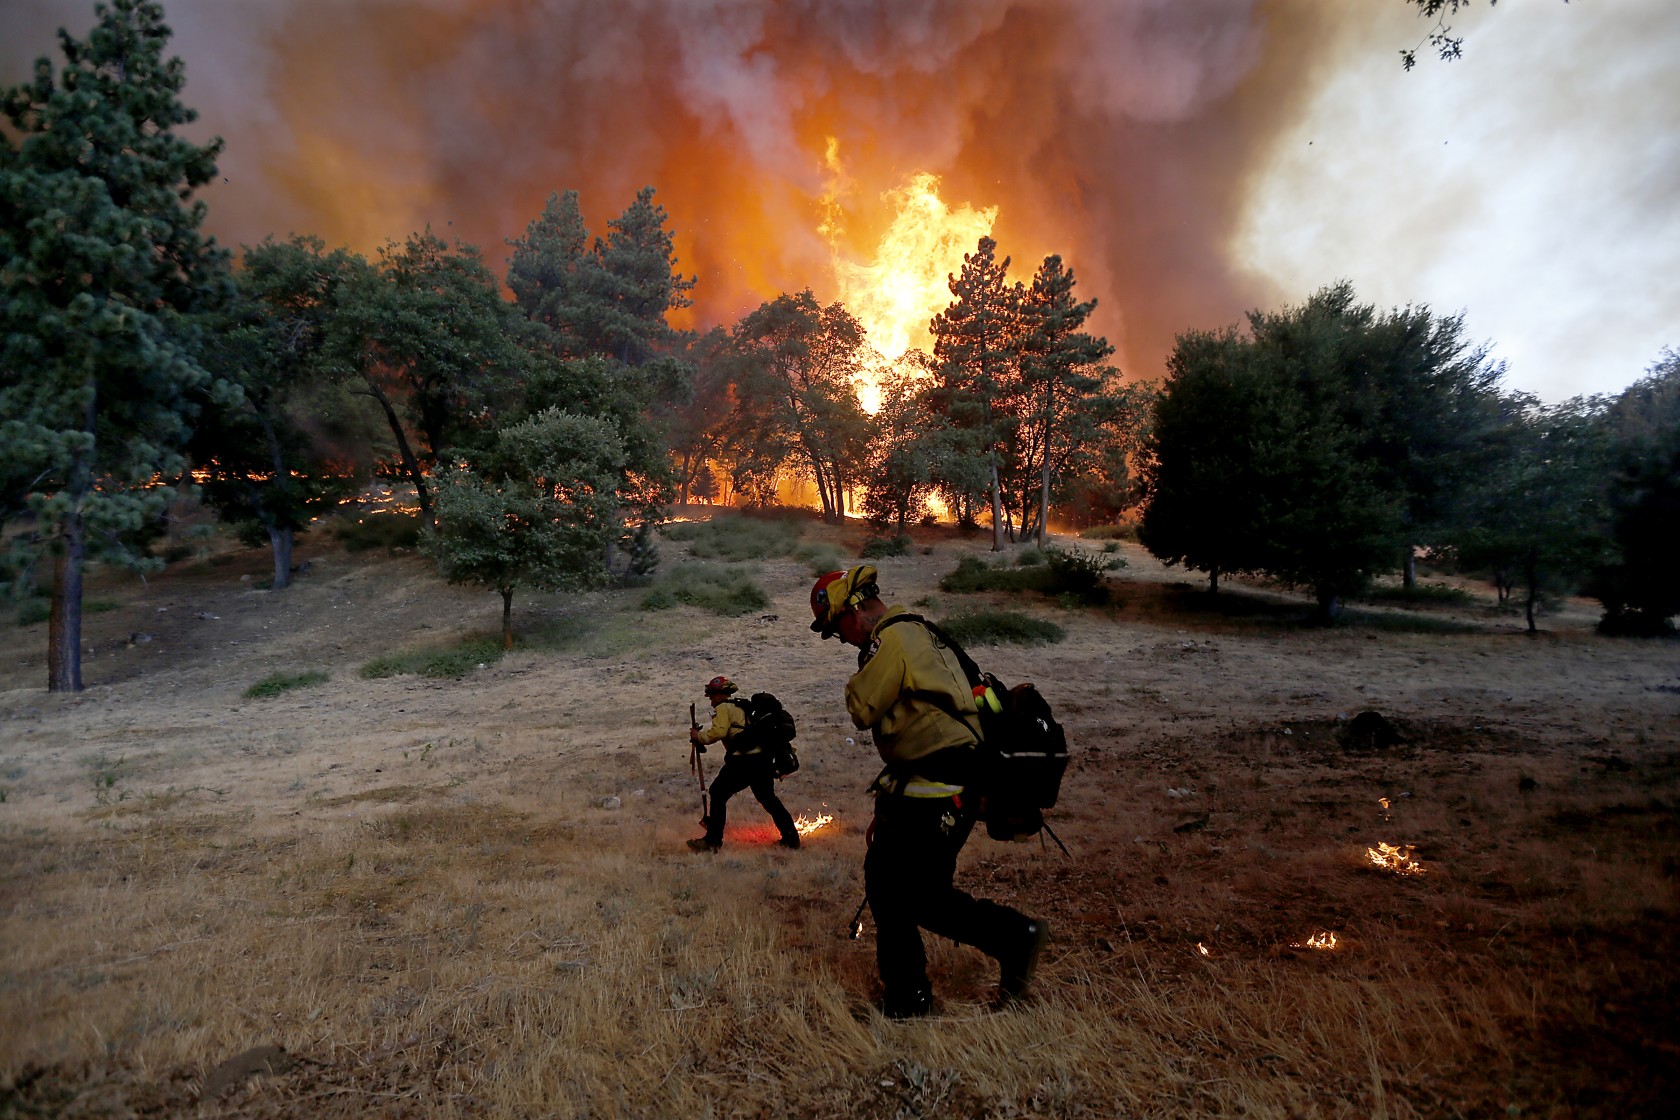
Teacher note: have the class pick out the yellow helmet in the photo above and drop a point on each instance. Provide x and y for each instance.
(838, 592)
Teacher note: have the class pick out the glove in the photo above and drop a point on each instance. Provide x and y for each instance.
(699, 748)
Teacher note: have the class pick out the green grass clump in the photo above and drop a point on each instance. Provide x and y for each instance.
(435, 661)
(1029, 556)
(819, 559)
(724, 590)
(736, 538)
(992, 628)
(1110, 533)
(974, 574)
(276, 683)
(379, 530)
(876, 547)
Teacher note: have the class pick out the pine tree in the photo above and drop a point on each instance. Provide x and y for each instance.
(974, 340)
(102, 264)
(1060, 370)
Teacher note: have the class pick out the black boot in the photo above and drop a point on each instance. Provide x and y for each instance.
(1016, 968)
(911, 1005)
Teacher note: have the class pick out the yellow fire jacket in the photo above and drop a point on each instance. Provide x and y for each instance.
(728, 721)
(905, 690)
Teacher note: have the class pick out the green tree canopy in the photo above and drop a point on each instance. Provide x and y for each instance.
(975, 344)
(537, 507)
(102, 266)
(262, 457)
(797, 380)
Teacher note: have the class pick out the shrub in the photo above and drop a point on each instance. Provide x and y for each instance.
(819, 559)
(446, 661)
(1422, 595)
(877, 547)
(737, 538)
(379, 530)
(1076, 573)
(725, 590)
(31, 611)
(1110, 533)
(1029, 556)
(276, 683)
(973, 574)
(1001, 627)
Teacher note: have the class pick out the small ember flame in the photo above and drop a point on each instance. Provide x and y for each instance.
(807, 825)
(1395, 858)
(1202, 949)
(1325, 940)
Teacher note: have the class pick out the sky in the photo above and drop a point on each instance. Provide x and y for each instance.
(1190, 160)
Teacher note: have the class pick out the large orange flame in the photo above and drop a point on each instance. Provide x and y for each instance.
(895, 295)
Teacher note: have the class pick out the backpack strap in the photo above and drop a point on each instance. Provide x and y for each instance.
(970, 670)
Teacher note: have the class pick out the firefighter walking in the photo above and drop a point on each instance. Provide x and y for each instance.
(908, 691)
(745, 766)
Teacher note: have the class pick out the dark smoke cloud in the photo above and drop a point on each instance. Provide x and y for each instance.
(1121, 135)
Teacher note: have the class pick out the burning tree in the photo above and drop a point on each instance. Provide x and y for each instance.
(102, 265)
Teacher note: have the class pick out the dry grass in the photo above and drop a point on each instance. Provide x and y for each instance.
(410, 889)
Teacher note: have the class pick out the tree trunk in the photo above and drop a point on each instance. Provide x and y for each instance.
(410, 463)
(1408, 571)
(1213, 581)
(507, 617)
(281, 539)
(1044, 494)
(997, 510)
(1329, 606)
(64, 627)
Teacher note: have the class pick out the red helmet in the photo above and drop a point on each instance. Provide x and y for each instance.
(720, 685)
(838, 592)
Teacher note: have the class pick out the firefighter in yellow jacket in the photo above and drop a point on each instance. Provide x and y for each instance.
(913, 695)
(745, 766)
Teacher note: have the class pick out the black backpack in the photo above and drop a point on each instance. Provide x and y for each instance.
(769, 728)
(1022, 753)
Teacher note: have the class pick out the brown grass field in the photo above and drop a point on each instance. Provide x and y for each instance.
(412, 897)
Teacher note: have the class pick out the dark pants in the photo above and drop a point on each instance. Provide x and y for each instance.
(907, 878)
(747, 772)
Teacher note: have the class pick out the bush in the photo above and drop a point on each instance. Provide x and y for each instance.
(389, 531)
(819, 559)
(1422, 595)
(973, 574)
(1075, 573)
(447, 661)
(1110, 533)
(1001, 627)
(276, 683)
(736, 538)
(726, 590)
(31, 611)
(1029, 556)
(877, 547)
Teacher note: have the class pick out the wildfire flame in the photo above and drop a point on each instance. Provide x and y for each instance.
(809, 824)
(894, 296)
(1324, 940)
(1395, 858)
(1202, 949)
